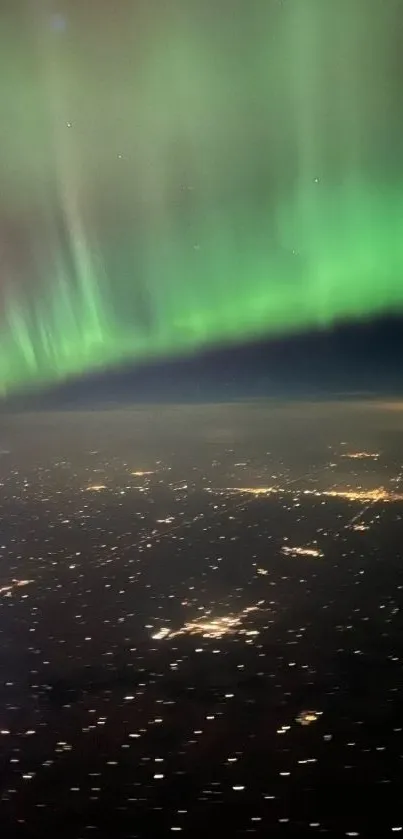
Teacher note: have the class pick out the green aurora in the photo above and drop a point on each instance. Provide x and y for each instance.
(185, 175)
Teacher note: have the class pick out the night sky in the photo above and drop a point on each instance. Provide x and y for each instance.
(184, 177)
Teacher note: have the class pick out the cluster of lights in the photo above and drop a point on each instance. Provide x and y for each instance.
(361, 455)
(15, 584)
(211, 628)
(308, 717)
(301, 551)
(365, 495)
(253, 490)
(370, 496)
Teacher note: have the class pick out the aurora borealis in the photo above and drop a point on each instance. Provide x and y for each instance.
(182, 175)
